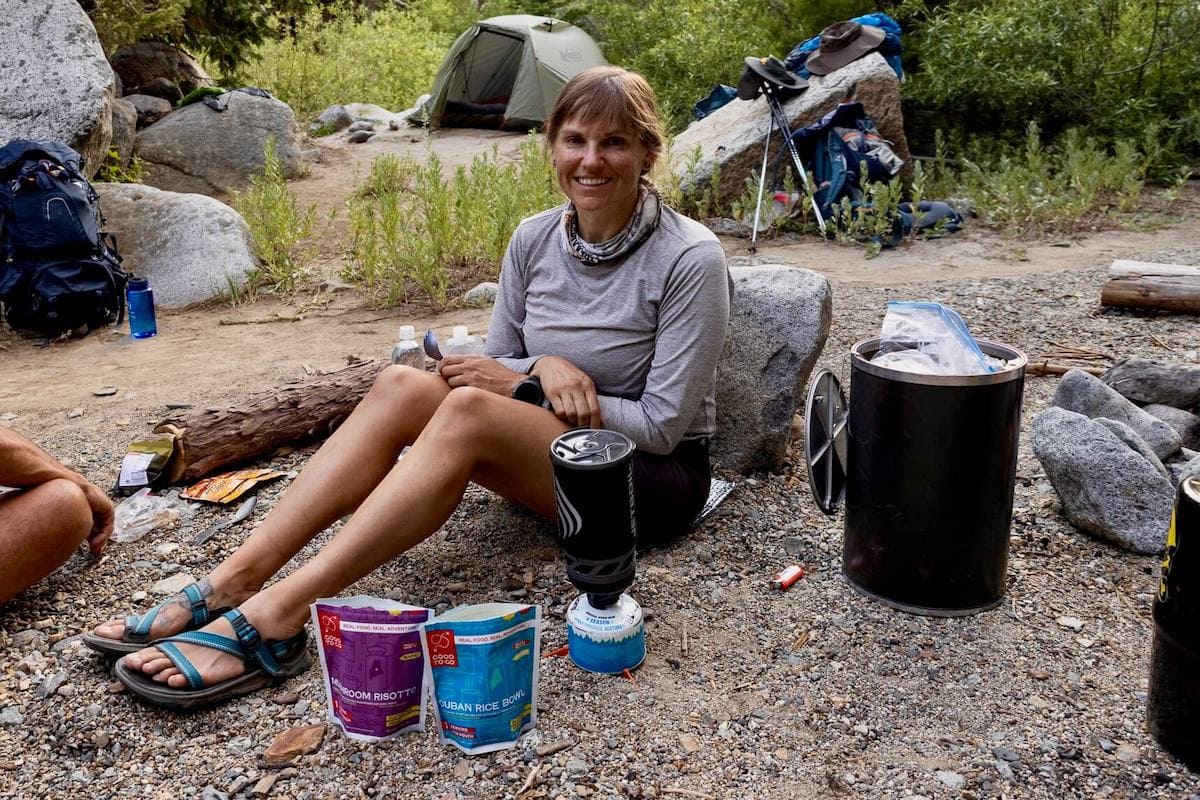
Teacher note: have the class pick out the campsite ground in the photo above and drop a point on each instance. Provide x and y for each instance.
(817, 692)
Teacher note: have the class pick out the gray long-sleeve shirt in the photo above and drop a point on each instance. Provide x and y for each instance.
(647, 328)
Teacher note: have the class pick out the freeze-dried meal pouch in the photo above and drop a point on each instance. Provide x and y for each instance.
(482, 663)
(373, 664)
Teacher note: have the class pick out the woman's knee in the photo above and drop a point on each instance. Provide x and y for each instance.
(396, 381)
(464, 411)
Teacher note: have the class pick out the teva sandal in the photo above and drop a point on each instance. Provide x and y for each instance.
(267, 663)
(136, 635)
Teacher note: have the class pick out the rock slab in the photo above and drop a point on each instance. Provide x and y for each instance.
(730, 140)
(1086, 394)
(124, 129)
(777, 327)
(1145, 381)
(140, 64)
(1106, 488)
(197, 149)
(63, 93)
(293, 743)
(191, 247)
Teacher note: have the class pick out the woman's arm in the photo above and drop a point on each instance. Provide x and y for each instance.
(693, 320)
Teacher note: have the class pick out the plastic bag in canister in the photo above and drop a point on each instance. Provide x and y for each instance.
(931, 339)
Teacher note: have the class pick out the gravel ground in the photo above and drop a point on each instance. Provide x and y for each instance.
(816, 692)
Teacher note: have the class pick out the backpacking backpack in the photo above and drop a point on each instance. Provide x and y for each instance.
(59, 271)
(837, 147)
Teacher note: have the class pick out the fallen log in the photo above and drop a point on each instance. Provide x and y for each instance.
(1140, 284)
(213, 438)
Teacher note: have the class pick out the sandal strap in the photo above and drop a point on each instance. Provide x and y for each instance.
(248, 646)
(170, 648)
(264, 654)
(137, 627)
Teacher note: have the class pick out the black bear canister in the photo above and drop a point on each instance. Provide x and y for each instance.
(1173, 699)
(597, 530)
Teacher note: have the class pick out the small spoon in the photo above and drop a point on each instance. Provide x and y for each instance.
(431, 345)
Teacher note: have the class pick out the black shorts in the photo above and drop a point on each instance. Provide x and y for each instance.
(670, 490)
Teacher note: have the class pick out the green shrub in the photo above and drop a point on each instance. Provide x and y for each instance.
(416, 234)
(388, 58)
(278, 226)
(111, 170)
(1108, 67)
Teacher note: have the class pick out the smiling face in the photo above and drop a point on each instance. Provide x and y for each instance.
(598, 166)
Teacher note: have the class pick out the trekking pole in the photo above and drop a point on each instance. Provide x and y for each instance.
(762, 180)
(780, 119)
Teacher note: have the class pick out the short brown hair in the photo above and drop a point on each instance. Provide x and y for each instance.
(610, 93)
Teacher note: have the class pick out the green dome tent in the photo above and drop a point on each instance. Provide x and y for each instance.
(505, 72)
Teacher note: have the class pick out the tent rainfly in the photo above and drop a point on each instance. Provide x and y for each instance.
(506, 72)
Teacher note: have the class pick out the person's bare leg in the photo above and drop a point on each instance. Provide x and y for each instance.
(475, 435)
(335, 481)
(39, 529)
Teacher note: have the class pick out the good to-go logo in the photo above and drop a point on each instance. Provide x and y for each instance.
(331, 629)
(442, 650)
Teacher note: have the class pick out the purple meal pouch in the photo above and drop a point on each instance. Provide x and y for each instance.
(373, 664)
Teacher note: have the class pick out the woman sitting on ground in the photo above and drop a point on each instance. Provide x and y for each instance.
(616, 303)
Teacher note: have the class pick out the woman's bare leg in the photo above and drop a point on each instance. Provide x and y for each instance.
(336, 480)
(474, 435)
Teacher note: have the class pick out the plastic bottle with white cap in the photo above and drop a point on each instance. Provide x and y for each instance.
(407, 351)
(462, 343)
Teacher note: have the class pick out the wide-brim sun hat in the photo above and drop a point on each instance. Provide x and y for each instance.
(771, 69)
(841, 43)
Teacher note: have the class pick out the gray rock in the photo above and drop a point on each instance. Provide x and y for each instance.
(358, 137)
(150, 109)
(731, 138)
(1086, 394)
(371, 113)
(197, 149)
(64, 93)
(361, 125)
(191, 247)
(10, 716)
(1106, 489)
(124, 129)
(163, 88)
(334, 118)
(777, 328)
(951, 780)
(1185, 423)
(481, 295)
(172, 585)
(144, 63)
(1184, 469)
(1135, 443)
(28, 637)
(1145, 381)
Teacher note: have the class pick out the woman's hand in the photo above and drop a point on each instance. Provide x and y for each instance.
(482, 372)
(570, 391)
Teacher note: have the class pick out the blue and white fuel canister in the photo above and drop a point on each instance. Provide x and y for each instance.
(607, 640)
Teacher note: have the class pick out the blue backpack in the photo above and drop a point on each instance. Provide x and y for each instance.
(59, 271)
(840, 148)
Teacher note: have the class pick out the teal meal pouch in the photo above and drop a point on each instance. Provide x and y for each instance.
(482, 663)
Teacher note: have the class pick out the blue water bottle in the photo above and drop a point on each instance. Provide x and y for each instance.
(141, 308)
